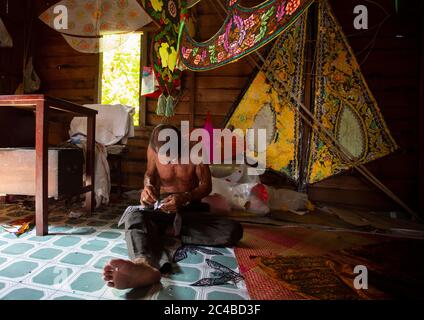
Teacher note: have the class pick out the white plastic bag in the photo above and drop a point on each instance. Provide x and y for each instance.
(240, 196)
(245, 198)
(288, 200)
(239, 189)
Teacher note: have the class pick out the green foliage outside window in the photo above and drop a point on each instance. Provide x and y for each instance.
(121, 71)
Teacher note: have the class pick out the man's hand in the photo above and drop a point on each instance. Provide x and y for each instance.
(148, 195)
(173, 203)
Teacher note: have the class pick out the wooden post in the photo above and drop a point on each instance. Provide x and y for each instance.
(143, 63)
(98, 81)
(41, 168)
(89, 166)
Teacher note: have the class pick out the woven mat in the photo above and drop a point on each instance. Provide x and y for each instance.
(272, 241)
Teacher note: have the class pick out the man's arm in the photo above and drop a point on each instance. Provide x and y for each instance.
(203, 174)
(177, 201)
(149, 193)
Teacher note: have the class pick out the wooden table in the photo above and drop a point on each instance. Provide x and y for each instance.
(42, 105)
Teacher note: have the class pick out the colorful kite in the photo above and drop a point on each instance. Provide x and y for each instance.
(171, 16)
(88, 20)
(262, 107)
(343, 105)
(167, 14)
(244, 31)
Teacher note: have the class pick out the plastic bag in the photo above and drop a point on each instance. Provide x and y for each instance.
(241, 190)
(288, 200)
(240, 196)
(246, 197)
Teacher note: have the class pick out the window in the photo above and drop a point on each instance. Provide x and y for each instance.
(121, 71)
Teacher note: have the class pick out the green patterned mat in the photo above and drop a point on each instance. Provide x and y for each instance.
(67, 264)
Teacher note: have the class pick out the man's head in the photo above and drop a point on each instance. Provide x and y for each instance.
(165, 140)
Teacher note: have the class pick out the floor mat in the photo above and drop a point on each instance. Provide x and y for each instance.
(395, 271)
(67, 264)
(270, 241)
(311, 277)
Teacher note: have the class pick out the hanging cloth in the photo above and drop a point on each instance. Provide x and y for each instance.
(161, 108)
(32, 81)
(5, 38)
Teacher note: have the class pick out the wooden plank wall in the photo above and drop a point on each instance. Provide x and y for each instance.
(11, 64)
(65, 72)
(421, 107)
(15, 15)
(391, 68)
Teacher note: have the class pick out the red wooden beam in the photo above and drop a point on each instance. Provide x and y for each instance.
(41, 169)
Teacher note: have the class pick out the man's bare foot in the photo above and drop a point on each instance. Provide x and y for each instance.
(123, 274)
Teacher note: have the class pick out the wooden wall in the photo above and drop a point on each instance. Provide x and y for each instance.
(390, 64)
(11, 58)
(65, 72)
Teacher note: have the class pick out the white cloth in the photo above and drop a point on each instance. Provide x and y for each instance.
(114, 124)
(102, 184)
(287, 200)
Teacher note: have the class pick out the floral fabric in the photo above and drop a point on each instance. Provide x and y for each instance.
(244, 31)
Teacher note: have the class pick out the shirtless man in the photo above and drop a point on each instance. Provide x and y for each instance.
(180, 188)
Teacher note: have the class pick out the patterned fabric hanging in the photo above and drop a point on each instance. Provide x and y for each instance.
(344, 105)
(245, 30)
(166, 13)
(262, 107)
(89, 20)
(171, 16)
